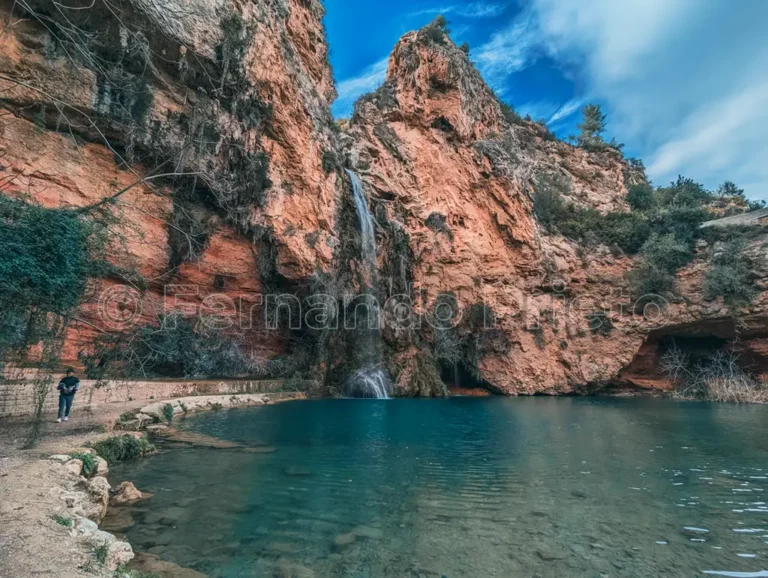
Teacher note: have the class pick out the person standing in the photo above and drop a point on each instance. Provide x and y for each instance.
(68, 387)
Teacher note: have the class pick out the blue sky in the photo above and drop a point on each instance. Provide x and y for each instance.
(684, 82)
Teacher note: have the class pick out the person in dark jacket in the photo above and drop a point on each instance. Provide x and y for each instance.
(68, 387)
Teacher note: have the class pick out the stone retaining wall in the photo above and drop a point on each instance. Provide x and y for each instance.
(17, 398)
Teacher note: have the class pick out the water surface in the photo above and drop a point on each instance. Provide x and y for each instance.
(464, 487)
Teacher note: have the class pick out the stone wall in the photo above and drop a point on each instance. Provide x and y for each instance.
(17, 398)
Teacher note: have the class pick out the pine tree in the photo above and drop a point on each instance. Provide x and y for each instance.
(729, 189)
(592, 126)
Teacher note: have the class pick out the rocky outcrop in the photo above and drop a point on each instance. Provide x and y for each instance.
(230, 101)
(451, 174)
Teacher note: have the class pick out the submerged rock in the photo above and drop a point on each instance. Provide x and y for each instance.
(117, 520)
(151, 564)
(343, 541)
(125, 493)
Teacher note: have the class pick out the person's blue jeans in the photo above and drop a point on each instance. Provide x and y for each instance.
(65, 404)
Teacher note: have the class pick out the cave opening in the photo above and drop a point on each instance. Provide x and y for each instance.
(461, 380)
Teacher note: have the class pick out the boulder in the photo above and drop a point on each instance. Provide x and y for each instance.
(61, 458)
(125, 493)
(74, 466)
(84, 527)
(98, 488)
(102, 467)
(119, 553)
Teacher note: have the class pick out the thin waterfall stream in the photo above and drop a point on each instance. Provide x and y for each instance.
(370, 380)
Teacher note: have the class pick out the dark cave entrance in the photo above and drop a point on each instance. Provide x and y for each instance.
(462, 381)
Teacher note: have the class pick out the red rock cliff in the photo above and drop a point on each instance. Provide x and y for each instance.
(232, 98)
(444, 163)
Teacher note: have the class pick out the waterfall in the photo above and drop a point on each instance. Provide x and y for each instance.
(366, 226)
(370, 380)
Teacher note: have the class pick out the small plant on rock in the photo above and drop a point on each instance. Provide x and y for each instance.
(100, 553)
(168, 412)
(63, 521)
(123, 448)
(89, 462)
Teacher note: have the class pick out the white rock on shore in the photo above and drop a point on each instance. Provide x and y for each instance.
(74, 466)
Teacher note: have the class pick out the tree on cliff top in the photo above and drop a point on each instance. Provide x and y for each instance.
(437, 30)
(592, 127)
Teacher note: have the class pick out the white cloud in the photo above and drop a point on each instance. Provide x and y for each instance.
(509, 50)
(683, 81)
(565, 111)
(722, 138)
(351, 89)
(471, 10)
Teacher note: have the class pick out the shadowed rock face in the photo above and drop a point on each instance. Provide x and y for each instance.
(238, 95)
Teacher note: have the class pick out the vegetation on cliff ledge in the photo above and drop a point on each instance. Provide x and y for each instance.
(661, 229)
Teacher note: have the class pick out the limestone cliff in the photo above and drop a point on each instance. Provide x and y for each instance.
(452, 172)
(212, 116)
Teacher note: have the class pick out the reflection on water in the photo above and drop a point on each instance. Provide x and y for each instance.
(464, 487)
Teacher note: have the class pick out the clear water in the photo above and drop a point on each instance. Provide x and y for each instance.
(464, 487)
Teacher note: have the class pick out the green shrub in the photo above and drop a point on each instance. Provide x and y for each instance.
(125, 417)
(464, 48)
(509, 113)
(168, 412)
(666, 252)
(731, 276)
(100, 553)
(216, 406)
(640, 197)
(63, 521)
(683, 193)
(123, 448)
(48, 257)
(548, 204)
(592, 127)
(89, 462)
(437, 30)
(683, 222)
(628, 231)
(649, 280)
(599, 323)
(184, 407)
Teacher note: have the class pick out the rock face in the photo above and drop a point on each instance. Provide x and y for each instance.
(451, 174)
(205, 128)
(231, 99)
